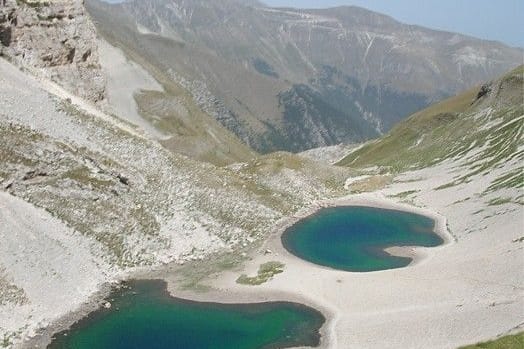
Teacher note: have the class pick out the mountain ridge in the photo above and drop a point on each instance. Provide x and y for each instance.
(252, 56)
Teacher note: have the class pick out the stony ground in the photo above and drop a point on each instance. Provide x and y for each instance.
(117, 199)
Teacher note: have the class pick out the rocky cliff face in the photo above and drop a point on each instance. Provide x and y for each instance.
(55, 39)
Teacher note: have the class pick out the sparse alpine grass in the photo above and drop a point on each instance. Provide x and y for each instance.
(479, 134)
(265, 273)
(508, 342)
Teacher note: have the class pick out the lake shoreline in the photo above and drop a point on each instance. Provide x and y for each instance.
(222, 291)
(225, 288)
(147, 307)
(361, 239)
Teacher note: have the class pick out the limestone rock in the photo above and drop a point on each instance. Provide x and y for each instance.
(55, 39)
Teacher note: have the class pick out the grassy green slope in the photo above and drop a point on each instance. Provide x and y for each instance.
(491, 124)
(507, 342)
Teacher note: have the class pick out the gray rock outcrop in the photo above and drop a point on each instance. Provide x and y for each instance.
(54, 39)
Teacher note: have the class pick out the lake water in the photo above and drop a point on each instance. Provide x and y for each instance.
(144, 315)
(353, 238)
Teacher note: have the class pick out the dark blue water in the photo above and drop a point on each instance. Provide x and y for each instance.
(353, 238)
(145, 316)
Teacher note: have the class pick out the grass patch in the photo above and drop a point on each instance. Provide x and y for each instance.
(446, 186)
(10, 293)
(508, 342)
(416, 141)
(499, 201)
(512, 179)
(265, 273)
(403, 194)
(6, 342)
(461, 201)
(84, 176)
(33, 3)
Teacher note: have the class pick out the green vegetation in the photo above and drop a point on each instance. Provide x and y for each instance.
(264, 67)
(499, 201)
(269, 177)
(175, 113)
(265, 273)
(461, 201)
(429, 128)
(5, 342)
(10, 293)
(485, 134)
(446, 186)
(81, 187)
(33, 3)
(450, 129)
(508, 342)
(82, 175)
(404, 194)
(295, 134)
(191, 131)
(512, 179)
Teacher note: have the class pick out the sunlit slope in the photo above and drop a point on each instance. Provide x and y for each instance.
(131, 196)
(481, 127)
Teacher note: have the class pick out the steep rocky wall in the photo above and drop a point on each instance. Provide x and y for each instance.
(56, 39)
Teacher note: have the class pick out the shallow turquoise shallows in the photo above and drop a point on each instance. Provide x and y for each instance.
(353, 238)
(143, 315)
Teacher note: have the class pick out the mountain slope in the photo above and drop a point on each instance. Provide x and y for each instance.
(102, 198)
(164, 110)
(57, 40)
(295, 79)
(482, 129)
(89, 196)
(462, 158)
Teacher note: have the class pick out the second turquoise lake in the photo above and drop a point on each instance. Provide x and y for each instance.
(353, 238)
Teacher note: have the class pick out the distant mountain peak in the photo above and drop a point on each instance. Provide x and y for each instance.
(266, 67)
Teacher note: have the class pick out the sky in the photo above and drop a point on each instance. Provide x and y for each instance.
(501, 20)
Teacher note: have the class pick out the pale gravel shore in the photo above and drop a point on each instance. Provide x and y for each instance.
(226, 290)
(467, 290)
(461, 292)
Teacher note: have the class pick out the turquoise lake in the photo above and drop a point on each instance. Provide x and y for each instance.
(144, 315)
(353, 238)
